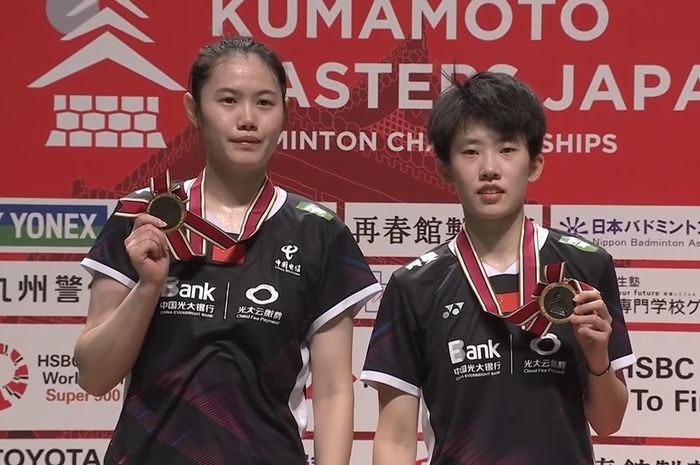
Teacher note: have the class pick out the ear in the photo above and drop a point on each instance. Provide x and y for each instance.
(536, 167)
(445, 171)
(191, 109)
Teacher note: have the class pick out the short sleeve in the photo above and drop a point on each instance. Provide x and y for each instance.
(393, 355)
(619, 345)
(108, 254)
(345, 280)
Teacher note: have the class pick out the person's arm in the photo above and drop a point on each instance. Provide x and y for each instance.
(606, 402)
(342, 285)
(118, 317)
(395, 441)
(606, 393)
(333, 396)
(393, 367)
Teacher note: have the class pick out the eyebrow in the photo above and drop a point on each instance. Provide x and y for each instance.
(469, 141)
(501, 140)
(238, 92)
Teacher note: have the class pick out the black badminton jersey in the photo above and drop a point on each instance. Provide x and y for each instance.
(492, 393)
(221, 374)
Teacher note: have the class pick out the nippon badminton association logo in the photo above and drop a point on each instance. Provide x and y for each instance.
(110, 119)
(14, 376)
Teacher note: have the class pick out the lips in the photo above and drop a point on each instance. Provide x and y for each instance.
(246, 140)
(490, 189)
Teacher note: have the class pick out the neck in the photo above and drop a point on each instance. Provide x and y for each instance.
(229, 189)
(497, 243)
(229, 194)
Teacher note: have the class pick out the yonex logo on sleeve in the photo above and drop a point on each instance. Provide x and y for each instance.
(422, 260)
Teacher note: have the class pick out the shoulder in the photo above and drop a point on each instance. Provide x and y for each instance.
(573, 244)
(581, 255)
(432, 267)
(309, 214)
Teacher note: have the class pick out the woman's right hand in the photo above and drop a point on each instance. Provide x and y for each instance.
(147, 248)
(119, 315)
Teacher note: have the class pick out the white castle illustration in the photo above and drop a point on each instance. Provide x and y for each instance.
(108, 121)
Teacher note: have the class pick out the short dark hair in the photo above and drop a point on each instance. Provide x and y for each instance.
(214, 53)
(497, 101)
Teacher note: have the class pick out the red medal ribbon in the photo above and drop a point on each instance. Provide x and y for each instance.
(530, 283)
(189, 240)
(255, 216)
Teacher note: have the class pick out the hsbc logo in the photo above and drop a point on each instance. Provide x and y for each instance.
(460, 352)
(110, 120)
(173, 288)
(14, 376)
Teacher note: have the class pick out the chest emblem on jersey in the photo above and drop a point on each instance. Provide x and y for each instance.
(262, 296)
(288, 261)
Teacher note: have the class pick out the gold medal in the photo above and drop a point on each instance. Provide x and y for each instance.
(170, 208)
(557, 302)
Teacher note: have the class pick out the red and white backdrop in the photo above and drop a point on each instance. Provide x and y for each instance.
(92, 107)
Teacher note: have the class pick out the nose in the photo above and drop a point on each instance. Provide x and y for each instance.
(246, 118)
(489, 170)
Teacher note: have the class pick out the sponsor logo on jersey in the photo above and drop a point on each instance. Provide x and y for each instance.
(422, 260)
(474, 360)
(315, 209)
(261, 295)
(286, 262)
(289, 250)
(452, 309)
(187, 299)
(460, 352)
(543, 346)
(546, 345)
(578, 243)
(173, 287)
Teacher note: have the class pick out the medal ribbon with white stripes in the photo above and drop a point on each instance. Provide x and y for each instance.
(530, 282)
(189, 240)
